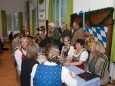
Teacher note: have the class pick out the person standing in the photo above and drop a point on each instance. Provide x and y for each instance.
(77, 34)
(1, 46)
(66, 32)
(54, 35)
(11, 38)
(15, 42)
(20, 52)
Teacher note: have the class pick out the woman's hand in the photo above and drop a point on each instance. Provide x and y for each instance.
(66, 63)
(69, 58)
(71, 73)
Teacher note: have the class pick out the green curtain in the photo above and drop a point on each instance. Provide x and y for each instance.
(69, 11)
(33, 21)
(20, 17)
(4, 23)
(51, 11)
(28, 14)
(112, 58)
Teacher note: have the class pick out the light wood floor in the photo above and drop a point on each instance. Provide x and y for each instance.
(7, 69)
(8, 72)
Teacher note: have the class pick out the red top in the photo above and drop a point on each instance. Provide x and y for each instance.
(23, 55)
(81, 66)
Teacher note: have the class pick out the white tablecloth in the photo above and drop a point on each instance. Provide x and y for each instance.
(112, 71)
(81, 82)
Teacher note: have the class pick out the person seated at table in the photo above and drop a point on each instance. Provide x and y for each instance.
(43, 40)
(43, 30)
(50, 73)
(80, 55)
(27, 63)
(41, 37)
(98, 62)
(37, 40)
(67, 49)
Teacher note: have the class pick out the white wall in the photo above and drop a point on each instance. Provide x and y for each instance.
(47, 5)
(13, 6)
(88, 5)
(33, 4)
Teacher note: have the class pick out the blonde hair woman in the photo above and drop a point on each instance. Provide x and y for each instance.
(50, 73)
(27, 63)
(20, 52)
(98, 62)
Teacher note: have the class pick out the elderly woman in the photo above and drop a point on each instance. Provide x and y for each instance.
(27, 63)
(67, 49)
(20, 52)
(98, 62)
(50, 73)
(80, 55)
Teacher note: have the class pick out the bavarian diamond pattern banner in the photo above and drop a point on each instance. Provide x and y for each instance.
(100, 33)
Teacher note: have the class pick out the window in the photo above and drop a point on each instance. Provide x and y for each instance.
(16, 22)
(12, 22)
(60, 12)
(9, 21)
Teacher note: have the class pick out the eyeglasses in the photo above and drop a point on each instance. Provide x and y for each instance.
(66, 41)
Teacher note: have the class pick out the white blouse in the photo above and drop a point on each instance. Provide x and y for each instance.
(18, 58)
(70, 52)
(83, 55)
(65, 76)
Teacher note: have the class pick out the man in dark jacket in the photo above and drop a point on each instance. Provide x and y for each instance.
(66, 32)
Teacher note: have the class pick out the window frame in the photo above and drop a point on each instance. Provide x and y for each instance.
(12, 22)
(59, 20)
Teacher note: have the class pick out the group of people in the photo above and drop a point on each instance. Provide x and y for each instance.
(30, 71)
(53, 71)
(56, 35)
(96, 61)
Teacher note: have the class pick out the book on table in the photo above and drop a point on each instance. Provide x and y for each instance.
(87, 76)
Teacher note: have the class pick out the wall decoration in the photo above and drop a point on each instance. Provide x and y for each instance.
(100, 24)
(97, 34)
(42, 13)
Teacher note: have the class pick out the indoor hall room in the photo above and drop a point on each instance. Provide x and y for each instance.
(81, 32)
